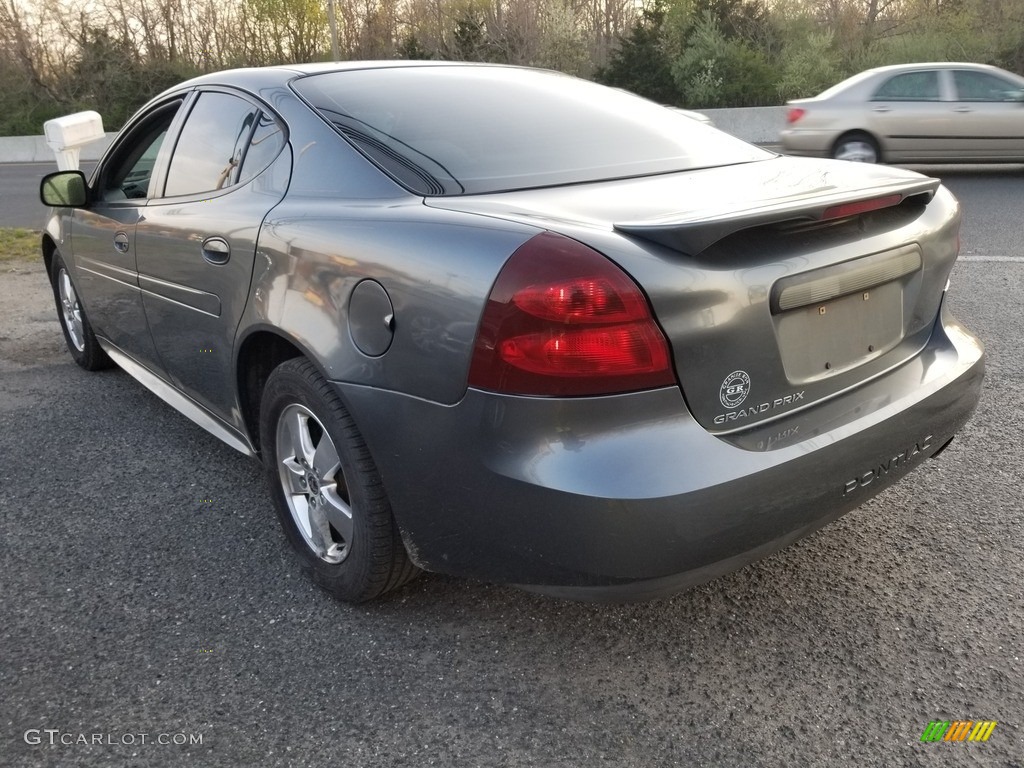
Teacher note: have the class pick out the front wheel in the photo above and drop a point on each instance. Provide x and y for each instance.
(78, 334)
(327, 492)
(857, 147)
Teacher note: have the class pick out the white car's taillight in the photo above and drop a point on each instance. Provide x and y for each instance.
(794, 114)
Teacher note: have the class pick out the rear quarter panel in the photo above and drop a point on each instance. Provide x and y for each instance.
(343, 221)
(437, 268)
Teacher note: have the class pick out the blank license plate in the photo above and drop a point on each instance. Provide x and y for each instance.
(819, 340)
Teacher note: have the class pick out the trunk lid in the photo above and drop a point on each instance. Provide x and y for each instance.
(778, 283)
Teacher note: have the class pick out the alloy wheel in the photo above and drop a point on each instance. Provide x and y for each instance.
(314, 484)
(71, 310)
(857, 151)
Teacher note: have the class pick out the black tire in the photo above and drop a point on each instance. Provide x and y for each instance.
(78, 335)
(857, 146)
(331, 505)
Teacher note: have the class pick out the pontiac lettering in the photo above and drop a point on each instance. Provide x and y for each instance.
(889, 465)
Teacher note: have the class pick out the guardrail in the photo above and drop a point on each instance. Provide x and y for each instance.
(759, 125)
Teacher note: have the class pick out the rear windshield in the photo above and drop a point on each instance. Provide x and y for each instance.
(449, 130)
(847, 83)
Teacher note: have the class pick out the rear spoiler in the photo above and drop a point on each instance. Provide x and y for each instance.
(691, 232)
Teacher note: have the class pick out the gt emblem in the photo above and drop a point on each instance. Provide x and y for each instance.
(734, 389)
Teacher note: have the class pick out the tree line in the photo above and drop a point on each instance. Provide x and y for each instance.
(59, 56)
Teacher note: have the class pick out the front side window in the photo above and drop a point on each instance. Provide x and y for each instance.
(910, 86)
(210, 149)
(981, 86)
(128, 173)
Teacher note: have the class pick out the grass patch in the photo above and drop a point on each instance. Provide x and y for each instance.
(18, 244)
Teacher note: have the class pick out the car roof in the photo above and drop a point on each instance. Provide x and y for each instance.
(281, 73)
(933, 65)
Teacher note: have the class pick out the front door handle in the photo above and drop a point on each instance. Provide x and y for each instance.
(121, 242)
(216, 250)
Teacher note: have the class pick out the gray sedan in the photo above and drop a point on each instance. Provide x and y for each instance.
(514, 326)
(913, 113)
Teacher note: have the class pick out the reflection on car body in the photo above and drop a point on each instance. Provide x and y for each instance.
(486, 320)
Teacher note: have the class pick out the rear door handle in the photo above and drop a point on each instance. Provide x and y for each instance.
(216, 250)
(881, 109)
(963, 109)
(121, 242)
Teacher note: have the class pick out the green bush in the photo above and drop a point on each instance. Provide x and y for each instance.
(716, 71)
(809, 68)
(640, 63)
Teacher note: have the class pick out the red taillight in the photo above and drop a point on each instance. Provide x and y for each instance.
(592, 352)
(581, 300)
(563, 320)
(794, 114)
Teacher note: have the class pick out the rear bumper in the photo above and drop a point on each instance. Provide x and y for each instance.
(807, 143)
(627, 497)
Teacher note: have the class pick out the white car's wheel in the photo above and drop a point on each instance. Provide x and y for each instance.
(857, 148)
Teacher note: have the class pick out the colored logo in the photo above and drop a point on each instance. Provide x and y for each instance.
(734, 389)
(958, 730)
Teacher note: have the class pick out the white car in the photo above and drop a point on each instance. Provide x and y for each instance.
(913, 113)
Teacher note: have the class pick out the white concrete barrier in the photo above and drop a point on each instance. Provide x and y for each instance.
(760, 125)
(33, 149)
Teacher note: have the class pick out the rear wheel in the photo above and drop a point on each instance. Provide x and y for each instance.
(327, 492)
(81, 341)
(857, 147)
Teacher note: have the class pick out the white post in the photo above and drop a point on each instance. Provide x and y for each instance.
(333, 21)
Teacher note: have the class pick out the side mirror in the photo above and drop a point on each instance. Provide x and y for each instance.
(64, 189)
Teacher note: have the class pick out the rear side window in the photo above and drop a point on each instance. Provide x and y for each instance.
(214, 145)
(267, 142)
(910, 86)
(442, 130)
(981, 86)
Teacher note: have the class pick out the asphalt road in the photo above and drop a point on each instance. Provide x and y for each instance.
(19, 193)
(146, 594)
